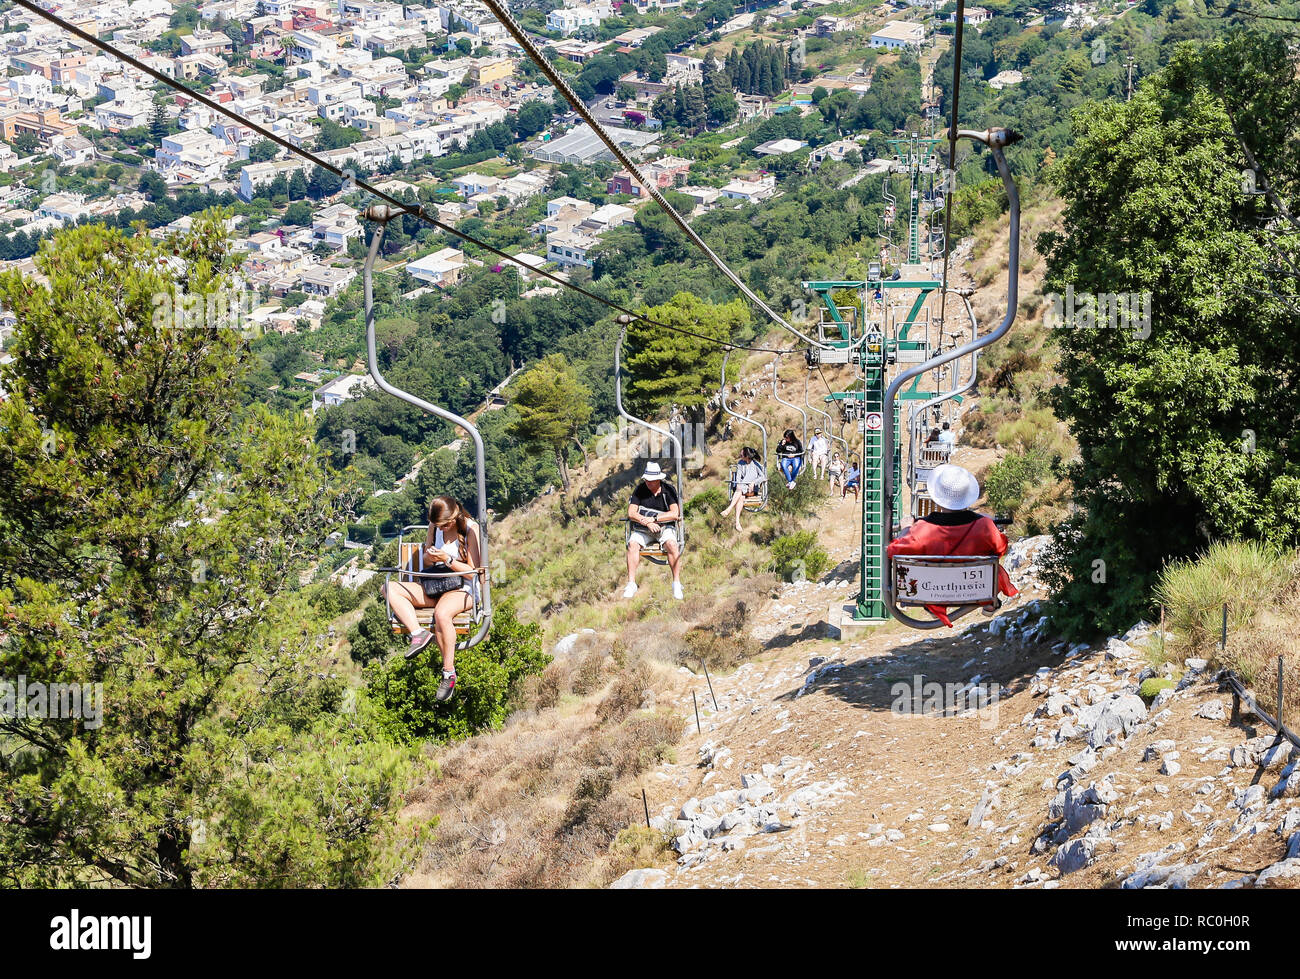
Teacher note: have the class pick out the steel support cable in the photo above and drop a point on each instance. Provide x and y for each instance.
(415, 210)
(950, 184)
(503, 15)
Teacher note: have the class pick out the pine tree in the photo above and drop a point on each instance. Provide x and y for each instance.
(154, 531)
(674, 368)
(553, 407)
(159, 127)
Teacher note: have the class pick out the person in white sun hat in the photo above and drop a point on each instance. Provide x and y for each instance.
(955, 528)
(654, 512)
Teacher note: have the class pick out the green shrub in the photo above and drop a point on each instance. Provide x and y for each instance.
(1152, 686)
(803, 501)
(797, 557)
(705, 502)
(1010, 480)
(1243, 575)
(403, 691)
(373, 637)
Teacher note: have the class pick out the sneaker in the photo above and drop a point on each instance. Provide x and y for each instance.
(446, 687)
(419, 641)
(630, 590)
(677, 589)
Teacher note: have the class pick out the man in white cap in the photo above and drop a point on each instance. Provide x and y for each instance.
(819, 450)
(954, 528)
(654, 512)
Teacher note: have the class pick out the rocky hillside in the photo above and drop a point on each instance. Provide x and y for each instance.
(993, 756)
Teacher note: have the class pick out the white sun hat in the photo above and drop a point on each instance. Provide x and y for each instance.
(652, 471)
(953, 487)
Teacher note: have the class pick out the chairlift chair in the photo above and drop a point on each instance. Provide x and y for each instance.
(758, 502)
(410, 567)
(963, 583)
(476, 623)
(776, 363)
(653, 552)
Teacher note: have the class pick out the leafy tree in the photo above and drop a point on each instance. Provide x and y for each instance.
(332, 136)
(27, 143)
(263, 151)
(299, 213)
(553, 407)
(153, 537)
(153, 186)
(665, 367)
(1160, 414)
(403, 692)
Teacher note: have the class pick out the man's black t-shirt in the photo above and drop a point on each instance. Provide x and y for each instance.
(661, 501)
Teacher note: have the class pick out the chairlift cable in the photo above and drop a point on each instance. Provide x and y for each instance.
(414, 210)
(507, 21)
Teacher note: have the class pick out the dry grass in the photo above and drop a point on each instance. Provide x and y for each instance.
(1261, 589)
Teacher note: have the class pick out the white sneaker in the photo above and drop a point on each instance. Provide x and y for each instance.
(630, 590)
(677, 589)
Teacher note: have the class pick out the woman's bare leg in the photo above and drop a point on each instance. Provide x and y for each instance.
(404, 597)
(450, 604)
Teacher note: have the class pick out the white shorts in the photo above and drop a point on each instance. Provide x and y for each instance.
(642, 537)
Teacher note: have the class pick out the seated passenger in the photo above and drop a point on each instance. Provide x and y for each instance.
(654, 512)
(451, 555)
(750, 478)
(955, 529)
(790, 457)
(947, 436)
(852, 480)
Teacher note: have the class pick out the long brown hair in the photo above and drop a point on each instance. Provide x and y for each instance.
(444, 509)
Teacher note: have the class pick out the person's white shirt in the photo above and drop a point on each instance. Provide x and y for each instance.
(948, 437)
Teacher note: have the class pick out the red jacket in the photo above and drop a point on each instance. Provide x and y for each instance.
(958, 532)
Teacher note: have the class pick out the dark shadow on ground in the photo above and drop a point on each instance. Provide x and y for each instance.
(903, 677)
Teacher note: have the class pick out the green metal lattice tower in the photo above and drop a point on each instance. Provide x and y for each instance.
(874, 351)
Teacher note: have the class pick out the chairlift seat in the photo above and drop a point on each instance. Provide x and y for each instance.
(755, 502)
(409, 550)
(654, 551)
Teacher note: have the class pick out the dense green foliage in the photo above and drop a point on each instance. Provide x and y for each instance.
(403, 691)
(152, 533)
(1185, 429)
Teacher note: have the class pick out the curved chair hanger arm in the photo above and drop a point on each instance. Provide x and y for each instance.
(995, 140)
(776, 363)
(747, 421)
(624, 319)
(974, 362)
(830, 425)
(381, 214)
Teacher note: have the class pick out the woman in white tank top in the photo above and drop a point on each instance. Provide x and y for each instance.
(452, 540)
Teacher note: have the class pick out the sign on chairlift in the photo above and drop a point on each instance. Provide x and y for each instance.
(928, 580)
(873, 422)
(913, 355)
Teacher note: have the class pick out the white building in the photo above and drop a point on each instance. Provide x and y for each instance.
(899, 34)
(568, 21)
(341, 389)
(751, 191)
(570, 248)
(442, 268)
